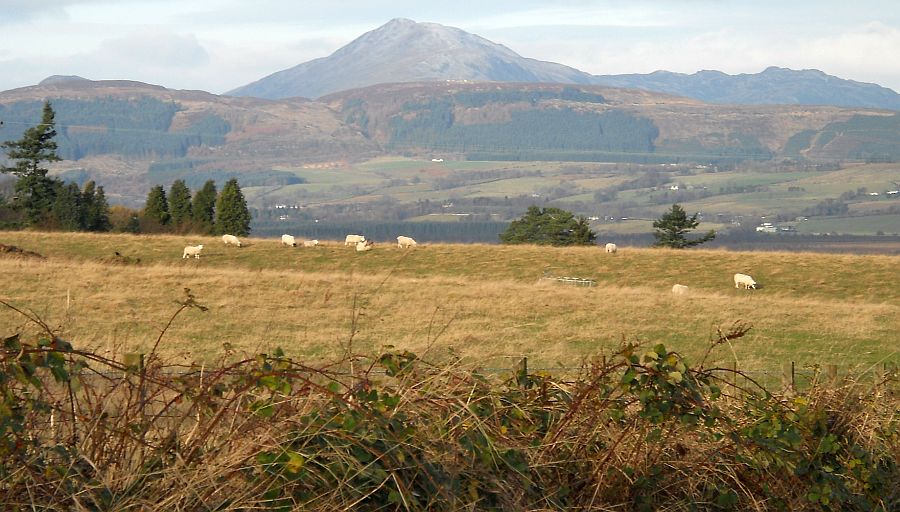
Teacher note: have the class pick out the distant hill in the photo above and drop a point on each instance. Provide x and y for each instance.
(130, 134)
(489, 121)
(405, 51)
(773, 86)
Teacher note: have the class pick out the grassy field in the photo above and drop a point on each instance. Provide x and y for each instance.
(749, 191)
(485, 304)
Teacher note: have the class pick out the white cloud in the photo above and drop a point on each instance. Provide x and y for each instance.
(153, 49)
(865, 51)
(217, 45)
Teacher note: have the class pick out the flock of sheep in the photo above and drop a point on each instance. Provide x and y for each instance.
(740, 281)
(362, 245)
(404, 242)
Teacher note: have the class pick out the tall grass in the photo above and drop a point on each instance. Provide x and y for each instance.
(488, 301)
(640, 430)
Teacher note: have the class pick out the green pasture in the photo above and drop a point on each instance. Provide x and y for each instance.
(810, 308)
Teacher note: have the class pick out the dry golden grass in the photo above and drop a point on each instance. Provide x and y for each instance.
(486, 304)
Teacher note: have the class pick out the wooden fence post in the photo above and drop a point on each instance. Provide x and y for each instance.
(522, 373)
(787, 377)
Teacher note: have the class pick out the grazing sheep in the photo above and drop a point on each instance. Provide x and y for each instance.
(365, 245)
(679, 289)
(744, 281)
(288, 240)
(354, 239)
(611, 248)
(231, 240)
(404, 241)
(310, 243)
(192, 250)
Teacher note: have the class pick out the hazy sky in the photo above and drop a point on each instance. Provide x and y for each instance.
(217, 45)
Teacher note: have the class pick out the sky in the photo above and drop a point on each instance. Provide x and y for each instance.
(219, 45)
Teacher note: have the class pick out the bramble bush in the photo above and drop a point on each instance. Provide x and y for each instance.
(640, 429)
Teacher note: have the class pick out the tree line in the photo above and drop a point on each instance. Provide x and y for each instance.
(46, 202)
(207, 212)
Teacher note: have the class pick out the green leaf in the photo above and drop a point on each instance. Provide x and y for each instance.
(629, 376)
(12, 343)
(262, 409)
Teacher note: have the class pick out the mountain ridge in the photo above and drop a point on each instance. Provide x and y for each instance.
(403, 50)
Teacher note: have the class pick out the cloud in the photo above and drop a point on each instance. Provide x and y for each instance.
(863, 51)
(156, 49)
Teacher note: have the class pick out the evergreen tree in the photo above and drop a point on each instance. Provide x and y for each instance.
(35, 190)
(548, 226)
(88, 196)
(232, 215)
(97, 213)
(156, 209)
(672, 227)
(203, 207)
(180, 204)
(68, 208)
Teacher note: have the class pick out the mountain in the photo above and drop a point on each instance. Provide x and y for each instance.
(129, 135)
(405, 51)
(561, 122)
(772, 86)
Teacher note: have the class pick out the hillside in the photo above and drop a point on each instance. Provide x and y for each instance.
(130, 134)
(322, 154)
(590, 123)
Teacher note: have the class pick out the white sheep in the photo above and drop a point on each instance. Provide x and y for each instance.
(192, 250)
(679, 289)
(744, 281)
(365, 245)
(611, 248)
(310, 243)
(231, 240)
(354, 239)
(288, 240)
(404, 241)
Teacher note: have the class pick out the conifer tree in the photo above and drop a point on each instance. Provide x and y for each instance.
(68, 208)
(87, 204)
(203, 207)
(232, 215)
(180, 204)
(35, 190)
(672, 227)
(97, 213)
(156, 209)
(548, 226)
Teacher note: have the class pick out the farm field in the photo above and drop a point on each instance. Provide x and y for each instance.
(484, 304)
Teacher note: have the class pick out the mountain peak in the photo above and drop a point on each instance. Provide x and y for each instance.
(62, 79)
(403, 50)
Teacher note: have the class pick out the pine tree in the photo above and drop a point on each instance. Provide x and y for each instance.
(68, 208)
(35, 190)
(672, 227)
(203, 207)
(88, 196)
(156, 209)
(97, 214)
(180, 204)
(232, 215)
(548, 226)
